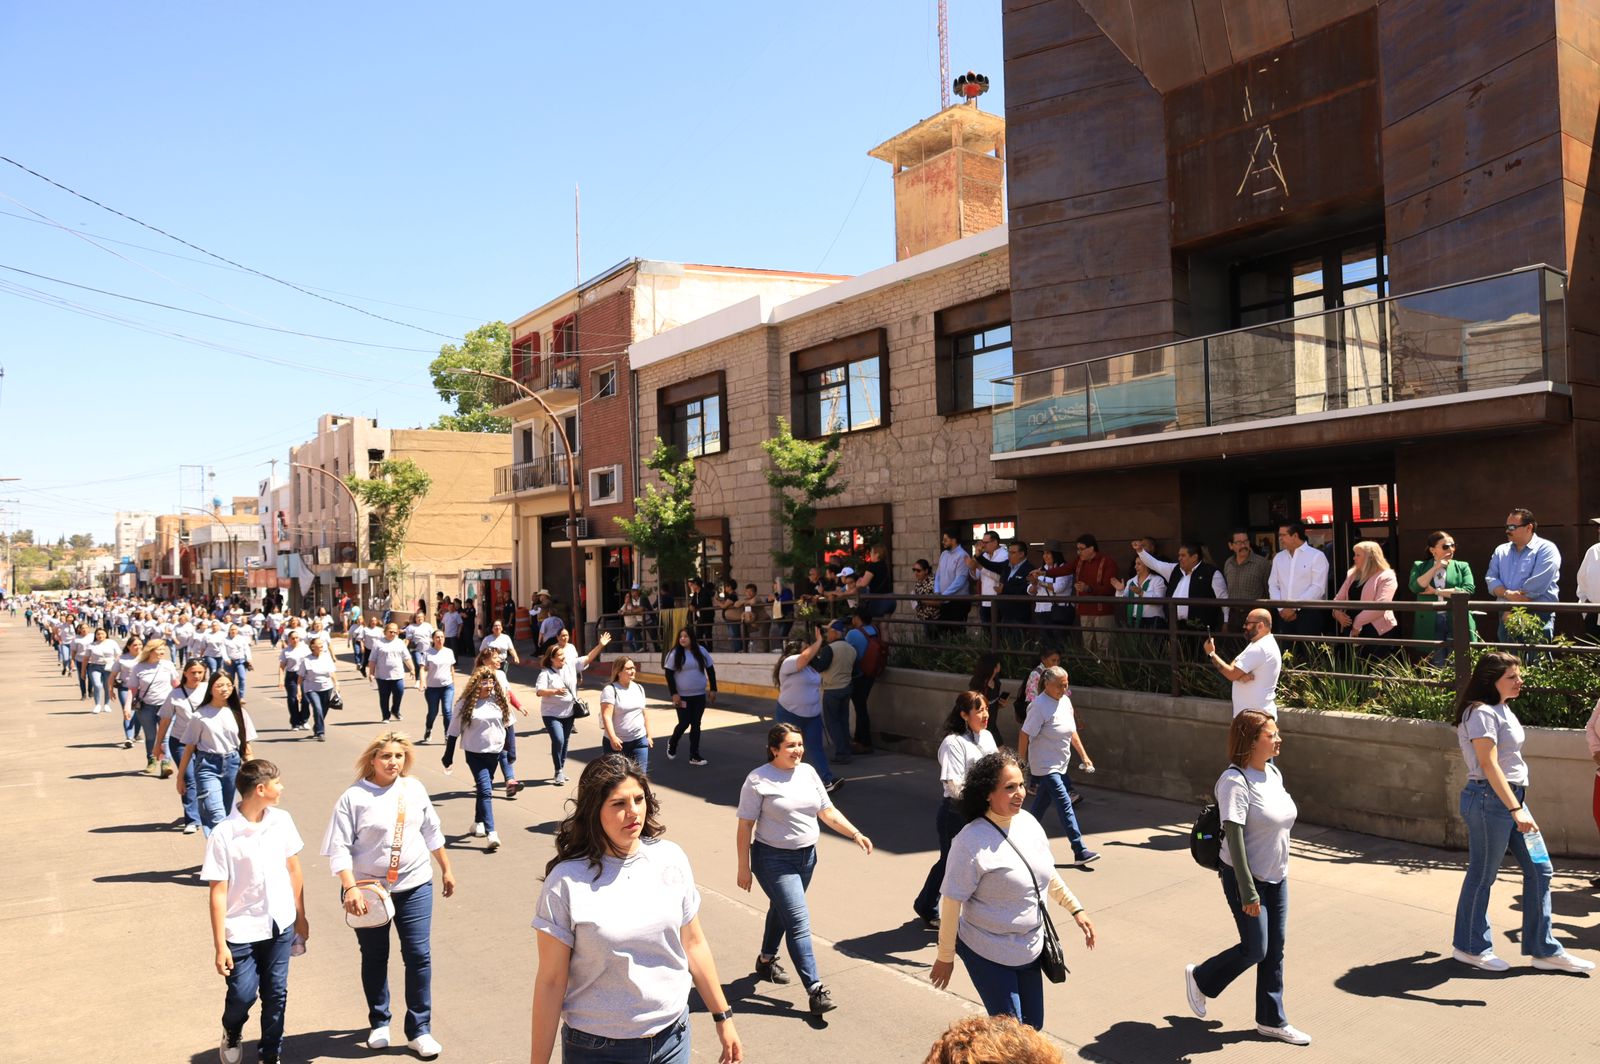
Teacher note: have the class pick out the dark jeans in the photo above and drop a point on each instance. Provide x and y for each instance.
(296, 701)
(482, 767)
(784, 876)
(1306, 622)
(1260, 947)
(260, 968)
(413, 922)
(389, 694)
(1006, 991)
(811, 734)
(638, 750)
(440, 700)
(670, 1045)
(689, 718)
(836, 722)
(860, 691)
(148, 717)
(317, 703)
(948, 823)
(1056, 787)
(560, 729)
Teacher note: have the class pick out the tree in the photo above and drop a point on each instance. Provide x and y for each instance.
(488, 348)
(803, 472)
(663, 522)
(81, 541)
(393, 496)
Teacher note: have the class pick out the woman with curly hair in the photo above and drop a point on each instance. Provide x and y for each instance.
(992, 913)
(966, 739)
(619, 933)
(992, 1040)
(481, 722)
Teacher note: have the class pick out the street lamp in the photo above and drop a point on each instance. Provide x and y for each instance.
(233, 548)
(355, 520)
(574, 551)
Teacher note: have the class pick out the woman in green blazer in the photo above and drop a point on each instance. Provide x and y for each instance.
(1436, 578)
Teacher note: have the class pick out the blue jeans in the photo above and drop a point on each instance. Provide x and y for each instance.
(638, 750)
(147, 718)
(213, 664)
(948, 823)
(1490, 830)
(560, 729)
(811, 734)
(214, 776)
(317, 703)
(130, 725)
(413, 923)
(292, 695)
(440, 699)
(237, 670)
(260, 968)
(836, 721)
(389, 694)
(64, 655)
(508, 756)
(784, 876)
(482, 767)
(1260, 947)
(670, 1045)
(191, 794)
(97, 685)
(1006, 991)
(1053, 787)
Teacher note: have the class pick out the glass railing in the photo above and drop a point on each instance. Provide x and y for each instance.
(1494, 332)
(549, 471)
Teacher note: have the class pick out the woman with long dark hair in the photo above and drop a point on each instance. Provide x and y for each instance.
(1494, 805)
(388, 660)
(216, 739)
(102, 656)
(319, 682)
(966, 739)
(619, 933)
(122, 683)
(992, 909)
(181, 704)
(986, 682)
(692, 682)
(799, 683)
(780, 806)
(481, 722)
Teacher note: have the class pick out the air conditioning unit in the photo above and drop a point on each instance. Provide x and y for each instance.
(581, 527)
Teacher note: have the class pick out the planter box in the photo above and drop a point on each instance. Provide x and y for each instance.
(1386, 776)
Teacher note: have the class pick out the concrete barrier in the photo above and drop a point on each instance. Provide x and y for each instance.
(1386, 776)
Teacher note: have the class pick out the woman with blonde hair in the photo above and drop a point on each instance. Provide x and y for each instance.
(383, 829)
(1370, 579)
(622, 714)
(152, 680)
(481, 722)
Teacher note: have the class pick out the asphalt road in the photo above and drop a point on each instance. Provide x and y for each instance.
(105, 946)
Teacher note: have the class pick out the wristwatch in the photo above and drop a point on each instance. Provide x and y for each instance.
(722, 1017)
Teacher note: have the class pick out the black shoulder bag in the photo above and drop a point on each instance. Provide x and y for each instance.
(1052, 959)
(1205, 841)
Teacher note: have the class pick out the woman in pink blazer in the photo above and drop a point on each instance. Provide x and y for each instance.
(1371, 579)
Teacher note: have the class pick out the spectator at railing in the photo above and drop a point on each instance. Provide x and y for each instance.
(1526, 568)
(1299, 574)
(1092, 573)
(1438, 577)
(1146, 593)
(1589, 585)
(927, 607)
(1370, 579)
(726, 602)
(988, 582)
(780, 607)
(1052, 594)
(1191, 577)
(1016, 577)
(874, 579)
(632, 610)
(952, 578)
(1246, 573)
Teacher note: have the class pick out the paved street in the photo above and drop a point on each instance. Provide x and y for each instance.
(105, 944)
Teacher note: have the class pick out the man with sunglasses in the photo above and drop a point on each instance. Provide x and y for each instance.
(1524, 569)
(1255, 671)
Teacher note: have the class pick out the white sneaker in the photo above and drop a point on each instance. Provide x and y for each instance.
(425, 1046)
(1563, 962)
(230, 1051)
(1293, 1036)
(494, 841)
(477, 830)
(378, 1038)
(1197, 1000)
(560, 780)
(1485, 960)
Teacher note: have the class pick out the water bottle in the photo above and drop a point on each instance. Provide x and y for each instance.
(1537, 850)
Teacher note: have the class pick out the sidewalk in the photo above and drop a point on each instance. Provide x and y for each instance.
(105, 942)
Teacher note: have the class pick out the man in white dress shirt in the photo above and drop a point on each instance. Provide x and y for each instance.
(1589, 585)
(1299, 574)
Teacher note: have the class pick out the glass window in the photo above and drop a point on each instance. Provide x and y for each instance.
(844, 398)
(1004, 527)
(695, 427)
(604, 383)
(979, 358)
(603, 485)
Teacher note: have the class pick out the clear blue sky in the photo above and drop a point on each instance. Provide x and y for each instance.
(416, 160)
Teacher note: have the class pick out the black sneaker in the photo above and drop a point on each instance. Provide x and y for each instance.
(772, 971)
(821, 1001)
(834, 784)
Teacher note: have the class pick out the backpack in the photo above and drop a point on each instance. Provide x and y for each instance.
(876, 657)
(1205, 840)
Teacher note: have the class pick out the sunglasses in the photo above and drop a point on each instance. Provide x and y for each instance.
(1447, 546)
(1513, 528)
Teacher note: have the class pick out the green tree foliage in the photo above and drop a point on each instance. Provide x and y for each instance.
(663, 522)
(393, 495)
(81, 541)
(803, 471)
(487, 348)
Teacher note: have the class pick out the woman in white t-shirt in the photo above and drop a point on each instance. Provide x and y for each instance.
(1494, 805)
(692, 683)
(1049, 737)
(319, 682)
(386, 802)
(799, 685)
(1257, 816)
(388, 661)
(151, 681)
(780, 806)
(216, 740)
(239, 656)
(991, 911)
(82, 639)
(180, 706)
(966, 739)
(619, 932)
(622, 714)
(481, 723)
(122, 683)
(101, 657)
(438, 681)
(557, 688)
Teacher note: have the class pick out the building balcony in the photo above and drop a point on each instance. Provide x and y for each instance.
(1477, 355)
(546, 473)
(559, 386)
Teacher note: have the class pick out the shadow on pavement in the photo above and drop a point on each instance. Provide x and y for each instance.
(1147, 1043)
(178, 876)
(131, 829)
(743, 991)
(314, 1045)
(108, 775)
(1406, 979)
(887, 946)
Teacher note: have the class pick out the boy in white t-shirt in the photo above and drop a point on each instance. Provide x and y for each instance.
(258, 910)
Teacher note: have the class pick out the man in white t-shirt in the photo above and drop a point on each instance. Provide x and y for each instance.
(1255, 671)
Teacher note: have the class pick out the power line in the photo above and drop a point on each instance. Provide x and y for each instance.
(221, 258)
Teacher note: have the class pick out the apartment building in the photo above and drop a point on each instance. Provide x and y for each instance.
(133, 527)
(167, 562)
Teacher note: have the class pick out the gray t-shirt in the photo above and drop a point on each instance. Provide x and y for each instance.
(627, 709)
(1268, 815)
(799, 688)
(784, 804)
(629, 972)
(1000, 919)
(1501, 725)
(1049, 726)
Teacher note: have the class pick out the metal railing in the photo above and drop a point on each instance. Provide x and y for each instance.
(1493, 332)
(568, 378)
(548, 471)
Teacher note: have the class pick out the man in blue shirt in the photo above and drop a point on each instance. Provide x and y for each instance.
(951, 578)
(1526, 568)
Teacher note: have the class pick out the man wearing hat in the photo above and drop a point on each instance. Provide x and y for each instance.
(1589, 585)
(838, 673)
